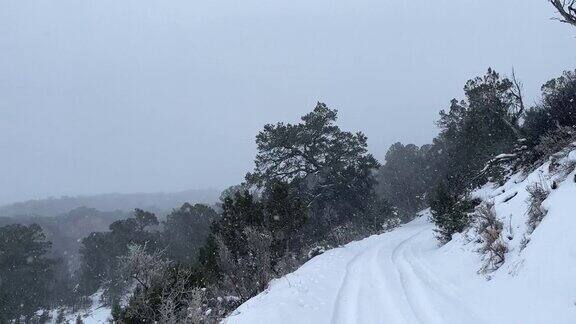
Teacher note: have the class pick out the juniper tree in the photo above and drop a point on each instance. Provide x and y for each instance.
(332, 168)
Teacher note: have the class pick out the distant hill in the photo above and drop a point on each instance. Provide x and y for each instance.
(110, 202)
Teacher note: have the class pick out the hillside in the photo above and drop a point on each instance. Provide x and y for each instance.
(110, 202)
(404, 276)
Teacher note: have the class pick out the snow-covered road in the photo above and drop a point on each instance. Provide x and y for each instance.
(403, 276)
(394, 277)
(391, 278)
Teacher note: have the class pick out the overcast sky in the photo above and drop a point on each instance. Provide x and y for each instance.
(142, 96)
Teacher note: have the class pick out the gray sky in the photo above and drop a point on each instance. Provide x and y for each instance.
(139, 95)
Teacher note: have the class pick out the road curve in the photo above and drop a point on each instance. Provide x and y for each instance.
(391, 282)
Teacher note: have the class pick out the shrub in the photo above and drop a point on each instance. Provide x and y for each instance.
(556, 140)
(538, 193)
(165, 292)
(44, 317)
(346, 233)
(248, 273)
(489, 228)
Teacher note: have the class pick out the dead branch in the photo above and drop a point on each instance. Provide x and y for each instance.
(566, 9)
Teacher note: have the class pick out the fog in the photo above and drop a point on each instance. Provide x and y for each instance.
(142, 96)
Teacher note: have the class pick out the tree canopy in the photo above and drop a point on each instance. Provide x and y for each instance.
(328, 164)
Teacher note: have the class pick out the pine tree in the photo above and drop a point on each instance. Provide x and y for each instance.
(449, 212)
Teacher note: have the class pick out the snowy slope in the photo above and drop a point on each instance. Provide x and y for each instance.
(95, 314)
(404, 276)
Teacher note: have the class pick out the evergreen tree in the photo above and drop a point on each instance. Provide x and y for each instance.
(284, 216)
(553, 117)
(332, 168)
(559, 99)
(26, 271)
(404, 178)
(238, 212)
(449, 212)
(185, 230)
(100, 251)
(476, 130)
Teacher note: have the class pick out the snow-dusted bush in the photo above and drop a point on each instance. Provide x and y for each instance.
(194, 309)
(569, 167)
(391, 223)
(538, 193)
(556, 140)
(143, 267)
(489, 229)
(249, 273)
(138, 268)
(288, 264)
(346, 233)
(44, 317)
(182, 304)
(317, 249)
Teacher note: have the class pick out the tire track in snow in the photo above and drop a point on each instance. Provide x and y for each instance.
(390, 283)
(409, 291)
(433, 299)
(358, 297)
(439, 285)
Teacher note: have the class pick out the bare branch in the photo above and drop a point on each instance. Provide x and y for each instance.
(566, 9)
(517, 93)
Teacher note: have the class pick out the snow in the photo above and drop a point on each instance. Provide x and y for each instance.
(95, 314)
(404, 276)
